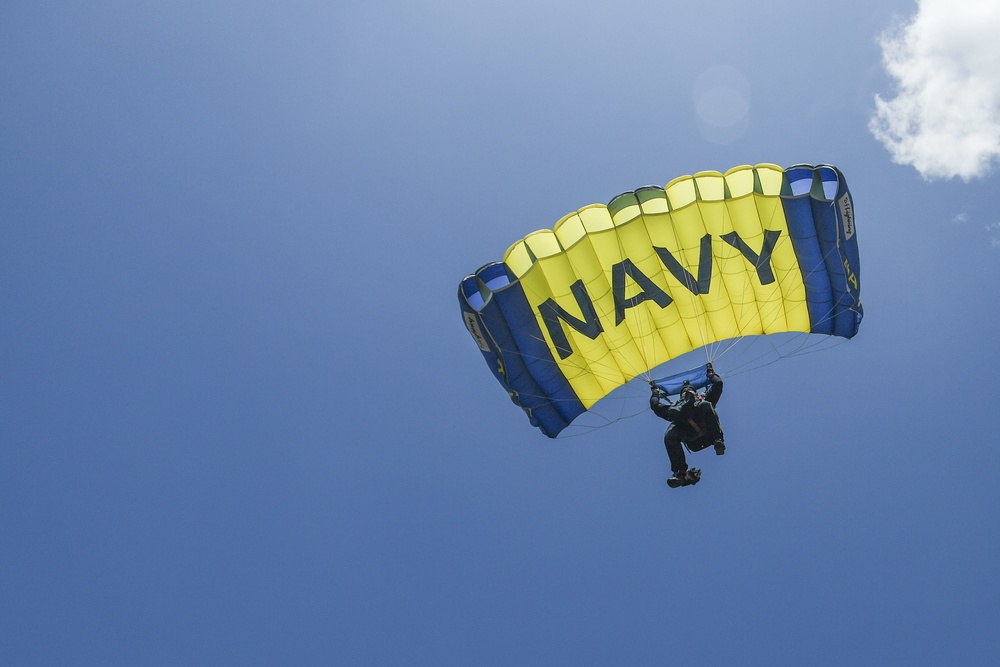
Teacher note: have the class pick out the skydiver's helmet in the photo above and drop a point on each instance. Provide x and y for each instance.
(687, 391)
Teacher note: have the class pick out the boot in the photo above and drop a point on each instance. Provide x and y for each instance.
(679, 479)
(684, 478)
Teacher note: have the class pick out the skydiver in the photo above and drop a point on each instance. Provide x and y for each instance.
(694, 423)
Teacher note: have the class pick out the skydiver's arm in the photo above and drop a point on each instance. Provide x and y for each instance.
(672, 412)
(660, 404)
(714, 391)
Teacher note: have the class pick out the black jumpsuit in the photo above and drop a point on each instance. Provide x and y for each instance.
(693, 422)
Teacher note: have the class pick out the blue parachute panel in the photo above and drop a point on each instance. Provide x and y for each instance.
(499, 318)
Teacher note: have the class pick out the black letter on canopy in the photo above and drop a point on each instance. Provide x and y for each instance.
(683, 275)
(761, 262)
(552, 313)
(649, 289)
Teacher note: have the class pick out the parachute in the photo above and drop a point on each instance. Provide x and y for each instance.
(613, 292)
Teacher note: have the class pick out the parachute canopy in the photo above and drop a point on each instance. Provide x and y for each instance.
(612, 292)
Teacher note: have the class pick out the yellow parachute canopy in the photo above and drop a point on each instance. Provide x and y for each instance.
(612, 292)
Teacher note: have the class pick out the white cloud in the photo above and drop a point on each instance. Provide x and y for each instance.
(992, 229)
(945, 118)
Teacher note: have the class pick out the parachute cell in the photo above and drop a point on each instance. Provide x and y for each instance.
(611, 292)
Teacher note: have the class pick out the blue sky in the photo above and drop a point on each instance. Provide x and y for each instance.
(241, 419)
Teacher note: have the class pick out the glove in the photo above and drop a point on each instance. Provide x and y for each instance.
(709, 371)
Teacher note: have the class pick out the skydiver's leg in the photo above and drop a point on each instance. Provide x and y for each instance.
(675, 449)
